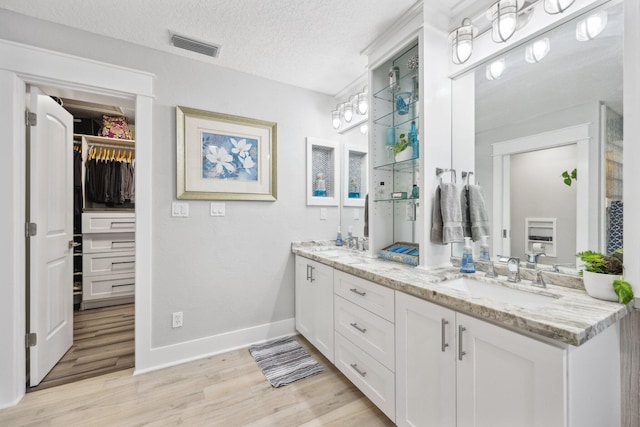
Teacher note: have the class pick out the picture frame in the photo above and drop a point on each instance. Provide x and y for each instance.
(225, 157)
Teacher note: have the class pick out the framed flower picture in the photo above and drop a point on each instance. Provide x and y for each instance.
(225, 157)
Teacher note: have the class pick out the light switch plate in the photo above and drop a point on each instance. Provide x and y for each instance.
(218, 209)
(323, 213)
(180, 209)
(356, 214)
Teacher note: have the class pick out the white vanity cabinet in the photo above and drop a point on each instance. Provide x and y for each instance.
(456, 370)
(314, 304)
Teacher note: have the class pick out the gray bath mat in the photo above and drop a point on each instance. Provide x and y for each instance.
(284, 361)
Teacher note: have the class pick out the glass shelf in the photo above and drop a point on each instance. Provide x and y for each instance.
(388, 95)
(410, 165)
(394, 119)
(408, 199)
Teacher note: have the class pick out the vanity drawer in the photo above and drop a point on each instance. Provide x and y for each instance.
(369, 375)
(108, 242)
(108, 222)
(108, 286)
(373, 334)
(375, 298)
(97, 264)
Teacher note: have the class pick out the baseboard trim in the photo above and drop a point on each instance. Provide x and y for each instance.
(176, 354)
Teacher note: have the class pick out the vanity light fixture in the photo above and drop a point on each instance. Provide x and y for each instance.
(461, 40)
(589, 27)
(495, 69)
(346, 111)
(503, 15)
(363, 102)
(536, 51)
(553, 7)
(335, 119)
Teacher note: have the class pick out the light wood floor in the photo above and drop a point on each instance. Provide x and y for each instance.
(103, 342)
(223, 390)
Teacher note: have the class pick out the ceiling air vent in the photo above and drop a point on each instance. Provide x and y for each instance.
(182, 42)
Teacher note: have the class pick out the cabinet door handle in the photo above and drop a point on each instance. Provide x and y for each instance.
(355, 325)
(355, 368)
(355, 291)
(311, 275)
(461, 353)
(443, 344)
(308, 272)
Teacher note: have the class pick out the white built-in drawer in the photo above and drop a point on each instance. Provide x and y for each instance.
(375, 298)
(108, 286)
(372, 333)
(108, 242)
(369, 375)
(97, 264)
(108, 222)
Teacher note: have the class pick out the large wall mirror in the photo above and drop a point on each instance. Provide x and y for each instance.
(354, 146)
(540, 111)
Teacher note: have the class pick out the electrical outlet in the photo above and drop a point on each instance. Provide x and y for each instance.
(177, 319)
(323, 213)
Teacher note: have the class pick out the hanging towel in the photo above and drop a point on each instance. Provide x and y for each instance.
(478, 213)
(436, 220)
(615, 226)
(466, 215)
(451, 213)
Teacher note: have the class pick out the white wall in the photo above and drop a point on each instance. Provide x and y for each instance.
(225, 274)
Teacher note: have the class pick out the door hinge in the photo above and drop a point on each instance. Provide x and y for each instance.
(31, 118)
(31, 339)
(30, 229)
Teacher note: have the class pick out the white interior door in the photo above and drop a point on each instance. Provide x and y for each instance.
(50, 250)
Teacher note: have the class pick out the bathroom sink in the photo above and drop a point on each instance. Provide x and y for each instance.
(498, 292)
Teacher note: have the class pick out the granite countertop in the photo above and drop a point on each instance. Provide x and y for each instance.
(571, 317)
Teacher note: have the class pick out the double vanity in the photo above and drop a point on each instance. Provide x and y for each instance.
(440, 348)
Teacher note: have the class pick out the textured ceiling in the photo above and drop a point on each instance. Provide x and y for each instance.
(312, 44)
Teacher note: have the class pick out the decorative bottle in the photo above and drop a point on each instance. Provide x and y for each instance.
(484, 249)
(467, 266)
(339, 237)
(413, 139)
(321, 189)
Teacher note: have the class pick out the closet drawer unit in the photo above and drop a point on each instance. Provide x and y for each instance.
(99, 264)
(108, 286)
(373, 297)
(108, 242)
(373, 334)
(108, 222)
(370, 376)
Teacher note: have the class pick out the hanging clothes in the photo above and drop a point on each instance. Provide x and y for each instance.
(109, 181)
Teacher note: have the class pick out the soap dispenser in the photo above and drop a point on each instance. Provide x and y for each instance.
(484, 249)
(467, 266)
(339, 237)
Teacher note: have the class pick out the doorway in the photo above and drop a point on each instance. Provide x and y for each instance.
(102, 279)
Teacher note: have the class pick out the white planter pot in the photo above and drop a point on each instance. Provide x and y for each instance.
(600, 285)
(405, 154)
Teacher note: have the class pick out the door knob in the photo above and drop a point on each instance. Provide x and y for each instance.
(73, 244)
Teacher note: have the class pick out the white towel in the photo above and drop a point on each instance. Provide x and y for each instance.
(478, 213)
(451, 213)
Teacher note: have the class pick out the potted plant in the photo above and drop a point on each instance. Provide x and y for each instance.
(602, 276)
(402, 150)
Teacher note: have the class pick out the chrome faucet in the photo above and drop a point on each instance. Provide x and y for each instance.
(538, 280)
(532, 259)
(513, 269)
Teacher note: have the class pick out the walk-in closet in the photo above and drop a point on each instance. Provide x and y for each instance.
(103, 244)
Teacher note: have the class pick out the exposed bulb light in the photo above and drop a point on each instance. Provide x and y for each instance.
(495, 69)
(364, 128)
(347, 112)
(363, 102)
(553, 7)
(461, 40)
(590, 27)
(536, 51)
(503, 15)
(335, 119)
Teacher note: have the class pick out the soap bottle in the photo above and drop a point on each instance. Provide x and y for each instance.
(413, 139)
(339, 237)
(467, 266)
(350, 237)
(484, 249)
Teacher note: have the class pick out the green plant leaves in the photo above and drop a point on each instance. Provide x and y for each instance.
(624, 291)
(568, 178)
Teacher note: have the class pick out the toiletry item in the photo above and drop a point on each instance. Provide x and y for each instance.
(403, 100)
(321, 190)
(350, 237)
(413, 139)
(415, 192)
(484, 249)
(467, 266)
(354, 190)
(394, 77)
(339, 237)
(391, 136)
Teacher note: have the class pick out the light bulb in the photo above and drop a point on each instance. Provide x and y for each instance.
(590, 27)
(348, 112)
(553, 7)
(363, 103)
(335, 119)
(495, 69)
(536, 51)
(364, 128)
